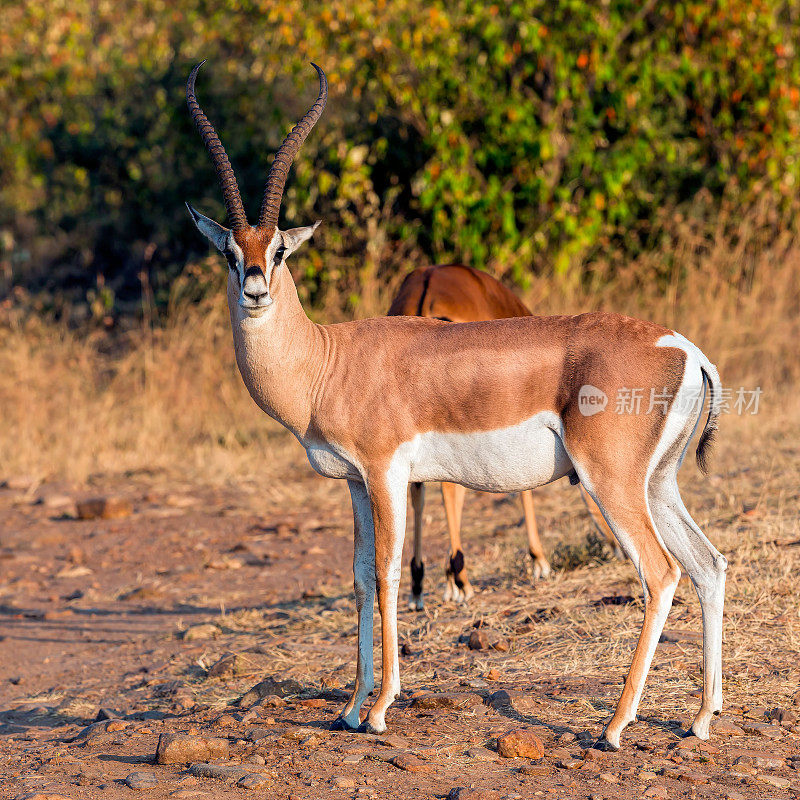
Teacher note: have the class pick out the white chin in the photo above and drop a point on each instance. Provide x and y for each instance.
(254, 311)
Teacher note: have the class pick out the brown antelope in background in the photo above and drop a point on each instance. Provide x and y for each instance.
(455, 293)
(495, 406)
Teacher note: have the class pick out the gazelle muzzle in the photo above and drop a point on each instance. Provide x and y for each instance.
(255, 292)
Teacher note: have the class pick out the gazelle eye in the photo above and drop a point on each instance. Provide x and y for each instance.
(279, 253)
(231, 260)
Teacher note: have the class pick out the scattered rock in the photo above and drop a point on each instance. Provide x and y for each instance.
(104, 714)
(657, 793)
(459, 700)
(726, 727)
(520, 743)
(141, 780)
(92, 734)
(269, 686)
(255, 781)
(533, 770)
(757, 758)
(569, 763)
(342, 782)
(775, 780)
(176, 748)
(784, 716)
(205, 630)
(410, 763)
(219, 771)
(462, 793)
(478, 640)
(501, 645)
(104, 508)
(482, 754)
(762, 729)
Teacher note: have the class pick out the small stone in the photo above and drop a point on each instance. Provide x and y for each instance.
(646, 775)
(482, 754)
(92, 734)
(757, 758)
(183, 749)
(463, 793)
(104, 508)
(105, 714)
(775, 780)
(267, 687)
(255, 758)
(220, 771)
(410, 763)
(502, 645)
(253, 781)
(478, 640)
(656, 793)
(726, 727)
(204, 630)
(313, 702)
(493, 675)
(520, 743)
(533, 770)
(354, 758)
(691, 777)
(608, 777)
(141, 780)
(761, 729)
(569, 763)
(342, 782)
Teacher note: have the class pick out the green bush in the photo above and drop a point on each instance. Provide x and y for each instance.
(524, 136)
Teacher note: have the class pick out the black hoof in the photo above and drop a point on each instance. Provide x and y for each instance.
(603, 744)
(340, 725)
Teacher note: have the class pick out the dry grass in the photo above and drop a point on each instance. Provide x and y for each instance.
(171, 398)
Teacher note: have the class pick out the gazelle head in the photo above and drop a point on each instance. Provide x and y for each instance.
(255, 253)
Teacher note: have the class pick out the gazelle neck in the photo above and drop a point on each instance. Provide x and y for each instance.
(280, 354)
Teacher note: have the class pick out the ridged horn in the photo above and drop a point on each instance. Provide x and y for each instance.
(227, 180)
(279, 171)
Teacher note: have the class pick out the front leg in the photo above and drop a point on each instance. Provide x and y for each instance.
(364, 582)
(387, 493)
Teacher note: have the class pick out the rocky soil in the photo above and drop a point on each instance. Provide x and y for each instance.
(160, 639)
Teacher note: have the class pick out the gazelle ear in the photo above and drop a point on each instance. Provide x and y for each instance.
(294, 237)
(213, 231)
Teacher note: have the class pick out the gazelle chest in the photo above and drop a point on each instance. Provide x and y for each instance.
(331, 461)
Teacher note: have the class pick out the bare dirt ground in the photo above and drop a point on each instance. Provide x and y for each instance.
(167, 616)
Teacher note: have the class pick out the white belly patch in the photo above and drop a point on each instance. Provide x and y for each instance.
(521, 456)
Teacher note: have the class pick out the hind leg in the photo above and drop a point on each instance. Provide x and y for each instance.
(458, 586)
(706, 569)
(541, 566)
(416, 601)
(624, 505)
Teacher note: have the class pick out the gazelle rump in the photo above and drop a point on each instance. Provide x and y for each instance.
(490, 405)
(457, 293)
